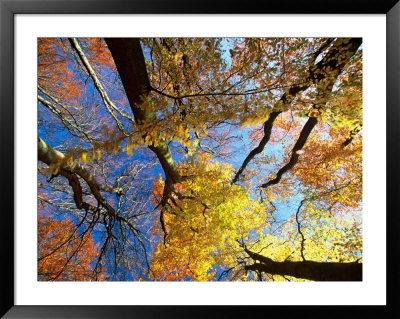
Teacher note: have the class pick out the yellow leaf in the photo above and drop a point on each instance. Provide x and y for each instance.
(84, 157)
(52, 168)
(129, 149)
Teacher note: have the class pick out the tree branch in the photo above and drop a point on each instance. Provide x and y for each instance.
(299, 230)
(336, 60)
(48, 155)
(107, 102)
(67, 123)
(267, 134)
(328, 68)
(353, 133)
(305, 133)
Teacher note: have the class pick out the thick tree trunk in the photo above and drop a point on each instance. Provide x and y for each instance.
(312, 270)
(129, 60)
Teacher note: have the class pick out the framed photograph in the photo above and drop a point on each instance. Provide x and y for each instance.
(166, 160)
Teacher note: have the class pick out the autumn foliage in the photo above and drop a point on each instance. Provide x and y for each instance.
(63, 255)
(200, 159)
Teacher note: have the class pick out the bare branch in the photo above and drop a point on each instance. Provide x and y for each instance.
(49, 156)
(107, 102)
(67, 123)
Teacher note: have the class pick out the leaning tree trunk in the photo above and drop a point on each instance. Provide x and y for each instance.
(312, 270)
(129, 60)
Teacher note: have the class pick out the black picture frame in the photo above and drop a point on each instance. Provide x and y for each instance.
(8, 9)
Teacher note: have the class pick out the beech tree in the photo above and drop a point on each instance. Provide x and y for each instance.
(204, 158)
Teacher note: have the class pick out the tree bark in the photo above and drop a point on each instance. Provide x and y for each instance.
(49, 156)
(129, 60)
(311, 270)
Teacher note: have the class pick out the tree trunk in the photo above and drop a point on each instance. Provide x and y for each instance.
(129, 60)
(312, 270)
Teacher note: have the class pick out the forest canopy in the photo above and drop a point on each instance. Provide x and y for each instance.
(199, 159)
